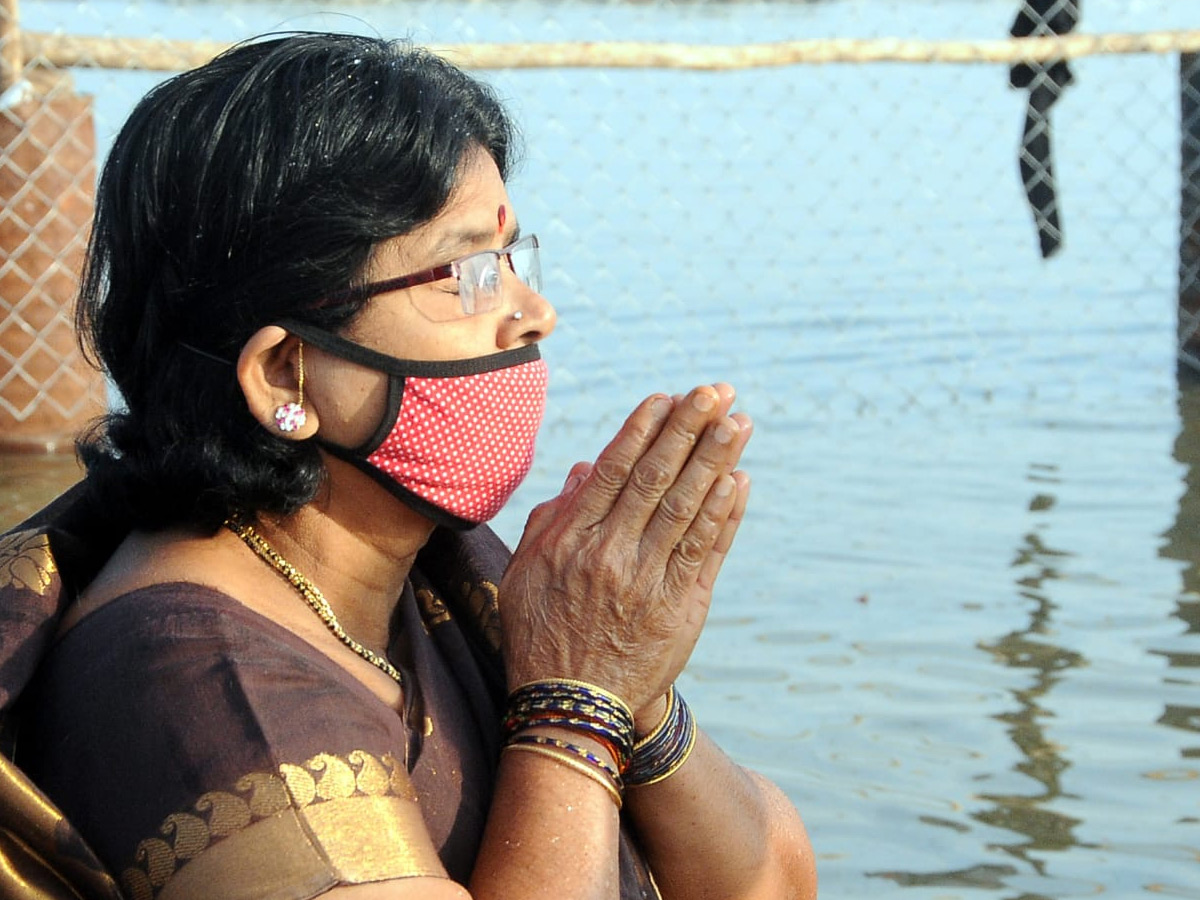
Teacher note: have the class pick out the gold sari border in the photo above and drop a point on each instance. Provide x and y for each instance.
(292, 833)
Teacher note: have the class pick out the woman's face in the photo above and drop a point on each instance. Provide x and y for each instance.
(426, 322)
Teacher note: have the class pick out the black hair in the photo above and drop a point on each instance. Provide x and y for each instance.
(238, 194)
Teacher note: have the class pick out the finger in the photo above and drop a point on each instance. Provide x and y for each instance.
(657, 470)
(745, 432)
(575, 478)
(697, 543)
(712, 459)
(609, 475)
(711, 567)
(725, 391)
(727, 395)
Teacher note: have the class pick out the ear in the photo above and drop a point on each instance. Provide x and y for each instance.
(269, 372)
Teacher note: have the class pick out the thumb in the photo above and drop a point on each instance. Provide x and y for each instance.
(578, 474)
(543, 514)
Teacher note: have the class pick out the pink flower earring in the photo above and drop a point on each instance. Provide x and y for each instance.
(291, 416)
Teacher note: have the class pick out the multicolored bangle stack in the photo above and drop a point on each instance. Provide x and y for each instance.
(605, 718)
(578, 706)
(664, 750)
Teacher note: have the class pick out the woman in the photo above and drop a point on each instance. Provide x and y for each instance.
(277, 663)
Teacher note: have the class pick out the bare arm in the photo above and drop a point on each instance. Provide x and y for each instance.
(716, 830)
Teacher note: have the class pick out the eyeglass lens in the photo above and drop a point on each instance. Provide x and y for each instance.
(479, 281)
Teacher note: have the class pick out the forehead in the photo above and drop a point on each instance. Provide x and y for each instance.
(477, 216)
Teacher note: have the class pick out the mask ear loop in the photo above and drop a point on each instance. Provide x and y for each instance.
(291, 416)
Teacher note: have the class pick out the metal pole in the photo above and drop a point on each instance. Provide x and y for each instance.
(1189, 209)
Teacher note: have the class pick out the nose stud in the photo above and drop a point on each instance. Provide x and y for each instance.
(518, 315)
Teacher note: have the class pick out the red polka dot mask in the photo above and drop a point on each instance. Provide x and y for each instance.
(457, 436)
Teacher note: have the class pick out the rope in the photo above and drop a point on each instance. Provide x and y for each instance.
(156, 54)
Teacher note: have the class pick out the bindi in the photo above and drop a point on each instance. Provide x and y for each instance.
(501, 217)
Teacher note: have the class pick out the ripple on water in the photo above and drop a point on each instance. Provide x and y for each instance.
(794, 638)
(1172, 775)
(1173, 890)
(735, 675)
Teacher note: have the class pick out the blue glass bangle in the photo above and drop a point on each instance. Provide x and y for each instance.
(662, 752)
(573, 704)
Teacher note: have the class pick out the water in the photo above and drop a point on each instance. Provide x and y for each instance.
(961, 625)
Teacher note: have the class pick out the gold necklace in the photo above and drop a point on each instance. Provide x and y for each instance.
(309, 591)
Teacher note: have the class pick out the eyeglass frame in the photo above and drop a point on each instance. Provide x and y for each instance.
(448, 270)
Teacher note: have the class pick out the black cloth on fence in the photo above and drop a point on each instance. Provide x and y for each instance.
(1045, 82)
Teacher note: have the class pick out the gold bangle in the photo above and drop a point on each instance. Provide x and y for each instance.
(571, 763)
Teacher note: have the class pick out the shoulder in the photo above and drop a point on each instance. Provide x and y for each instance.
(183, 733)
(176, 650)
(150, 559)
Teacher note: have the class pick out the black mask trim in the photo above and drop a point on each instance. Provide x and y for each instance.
(391, 412)
(423, 368)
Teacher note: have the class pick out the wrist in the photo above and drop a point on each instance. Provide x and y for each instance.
(651, 716)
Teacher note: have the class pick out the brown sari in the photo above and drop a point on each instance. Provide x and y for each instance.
(183, 746)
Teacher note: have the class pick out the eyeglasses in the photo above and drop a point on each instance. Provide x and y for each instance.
(480, 287)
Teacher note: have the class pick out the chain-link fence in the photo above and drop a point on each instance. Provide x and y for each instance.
(898, 187)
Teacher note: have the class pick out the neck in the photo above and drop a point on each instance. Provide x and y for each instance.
(356, 543)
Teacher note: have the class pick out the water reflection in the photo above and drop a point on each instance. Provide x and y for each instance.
(1036, 563)
(987, 876)
(1030, 816)
(1180, 543)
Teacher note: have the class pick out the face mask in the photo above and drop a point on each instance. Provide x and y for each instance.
(457, 437)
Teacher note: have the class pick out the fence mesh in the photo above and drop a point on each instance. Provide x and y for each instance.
(47, 172)
(868, 211)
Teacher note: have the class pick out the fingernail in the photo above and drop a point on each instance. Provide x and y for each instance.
(725, 486)
(573, 482)
(703, 401)
(661, 407)
(724, 434)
